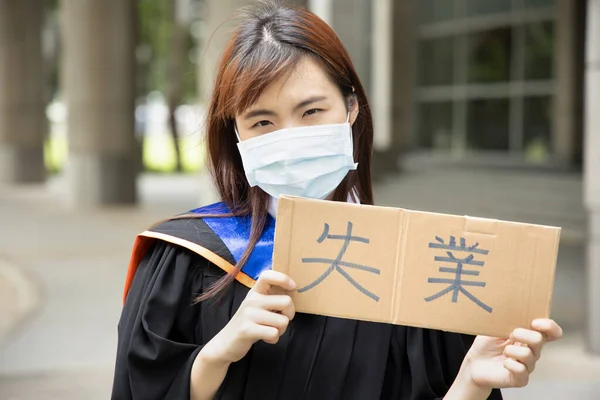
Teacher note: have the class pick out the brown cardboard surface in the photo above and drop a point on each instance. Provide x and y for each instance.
(401, 266)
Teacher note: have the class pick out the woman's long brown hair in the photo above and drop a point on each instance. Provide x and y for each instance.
(270, 40)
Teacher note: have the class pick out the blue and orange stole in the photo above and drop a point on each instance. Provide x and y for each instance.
(221, 240)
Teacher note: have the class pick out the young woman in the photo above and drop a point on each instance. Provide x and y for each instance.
(205, 316)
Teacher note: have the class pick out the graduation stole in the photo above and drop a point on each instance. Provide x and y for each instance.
(233, 231)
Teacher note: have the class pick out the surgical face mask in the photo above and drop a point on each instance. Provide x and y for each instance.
(307, 161)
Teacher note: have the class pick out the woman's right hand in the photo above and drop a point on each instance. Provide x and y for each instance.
(263, 315)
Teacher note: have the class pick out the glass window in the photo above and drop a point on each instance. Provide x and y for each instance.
(538, 3)
(436, 61)
(435, 125)
(537, 125)
(487, 124)
(431, 11)
(483, 7)
(539, 50)
(489, 55)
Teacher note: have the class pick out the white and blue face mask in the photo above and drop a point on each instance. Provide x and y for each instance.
(307, 161)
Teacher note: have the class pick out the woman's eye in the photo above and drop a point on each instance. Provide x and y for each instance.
(312, 111)
(261, 124)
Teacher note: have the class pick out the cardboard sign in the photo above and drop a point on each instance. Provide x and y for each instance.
(452, 273)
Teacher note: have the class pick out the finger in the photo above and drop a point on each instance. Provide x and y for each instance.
(522, 354)
(519, 375)
(255, 332)
(250, 330)
(280, 303)
(270, 278)
(268, 334)
(275, 320)
(289, 310)
(275, 302)
(534, 339)
(548, 327)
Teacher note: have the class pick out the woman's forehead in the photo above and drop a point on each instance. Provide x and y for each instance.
(306, 78)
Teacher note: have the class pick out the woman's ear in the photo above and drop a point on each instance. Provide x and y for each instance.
(352, 108)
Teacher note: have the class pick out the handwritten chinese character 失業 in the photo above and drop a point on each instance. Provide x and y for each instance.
(338, 264)
(457, 285)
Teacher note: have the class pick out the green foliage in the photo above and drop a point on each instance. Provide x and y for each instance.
(158, 154)
(155, 29)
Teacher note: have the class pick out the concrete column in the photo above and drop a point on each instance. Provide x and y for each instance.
(403, 79)
(379, 36)
(382, 74)
(592, 170)
(303, 3)
(99, 81)
(22, 104)
(394, 40)
(217, 29)
(322, 8)
(568, 90)
(351, 20)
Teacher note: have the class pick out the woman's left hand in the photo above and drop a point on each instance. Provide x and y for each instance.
(503, 363)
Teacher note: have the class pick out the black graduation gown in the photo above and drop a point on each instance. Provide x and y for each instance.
(161, 332)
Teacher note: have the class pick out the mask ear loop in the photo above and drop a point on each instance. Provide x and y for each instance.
(236, 132)
(350, 97)
(350, 129)
(350, 132)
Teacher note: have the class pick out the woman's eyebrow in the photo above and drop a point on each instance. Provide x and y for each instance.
(259, 113)
(309, 101)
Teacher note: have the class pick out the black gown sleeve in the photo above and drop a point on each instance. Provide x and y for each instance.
(158, 333)
(424, 363)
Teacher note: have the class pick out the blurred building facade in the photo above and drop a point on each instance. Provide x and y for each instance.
(488, 74)
(472, 78)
